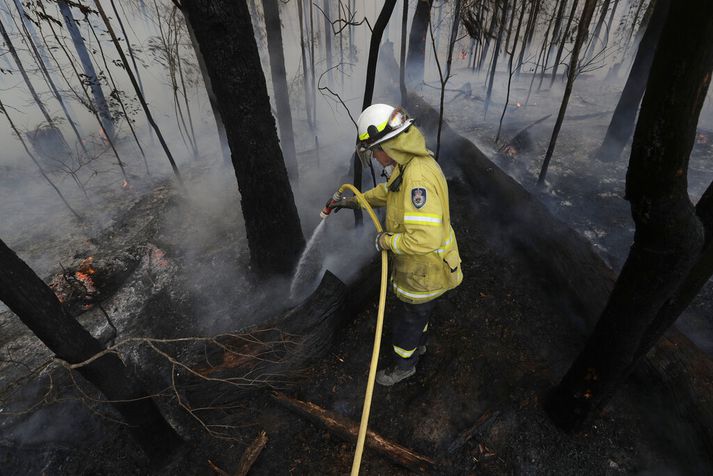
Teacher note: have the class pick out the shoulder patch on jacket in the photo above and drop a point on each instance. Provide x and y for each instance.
(418, 197)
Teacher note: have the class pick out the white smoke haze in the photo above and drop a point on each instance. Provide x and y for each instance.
(205, 227)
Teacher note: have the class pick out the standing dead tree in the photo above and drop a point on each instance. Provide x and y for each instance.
(224, 34)
(582, 30)
(622, 122)
(417, 43)
(496, 52)
(40, 58)
(91, 76)
(273, 31)
(40, 310)
(510, 71)
(445, 77)
(562, 44)
(669, 234)
(374, 43)
(137, 89)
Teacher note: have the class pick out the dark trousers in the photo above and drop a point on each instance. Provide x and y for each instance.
(410, 330)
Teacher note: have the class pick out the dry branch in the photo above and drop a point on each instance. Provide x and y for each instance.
(251, 454)
(348, 430)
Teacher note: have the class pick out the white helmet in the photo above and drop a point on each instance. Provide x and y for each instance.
(380, 122)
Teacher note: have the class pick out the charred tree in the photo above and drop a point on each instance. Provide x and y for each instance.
(417, 43)
(328, 39)
(402, 52)
(582, 30)
(669, 235)
(565, 35)
(273, 32)
(510, 71)
(41, 58)
(496, 52)
(305, 76)
(40, 310)
(562, 4)
(488, 37)
(374, 43)
(622, 123)
(137, 90)
(92, 78)
(225, 36)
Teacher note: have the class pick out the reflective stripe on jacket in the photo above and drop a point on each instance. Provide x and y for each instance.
(425, 260)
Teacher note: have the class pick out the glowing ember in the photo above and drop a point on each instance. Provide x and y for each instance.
(87, 266)
(518, 104)
(124, 184)
(86, 281)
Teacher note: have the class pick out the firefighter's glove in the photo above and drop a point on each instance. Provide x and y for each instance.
(381, 242)
(347, 202)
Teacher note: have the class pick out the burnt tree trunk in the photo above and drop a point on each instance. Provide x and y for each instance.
(669, 235)
(225, 36)
(40, 310)
(417, 43)
(488, 38)
(100, 102)
(273, 31)
(622, 123)
(556, 65)
(496, 52)
(376, 35)
(582, 30)
(555, 38)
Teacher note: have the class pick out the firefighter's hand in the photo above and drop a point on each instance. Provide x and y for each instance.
(348, 202)
(381, 241)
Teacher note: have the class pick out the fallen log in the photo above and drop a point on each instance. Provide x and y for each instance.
(348, 430)
(479, 428)
(568, 266)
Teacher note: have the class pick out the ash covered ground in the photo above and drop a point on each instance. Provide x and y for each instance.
(498, 343)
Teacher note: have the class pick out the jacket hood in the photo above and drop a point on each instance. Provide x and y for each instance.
(406, 146)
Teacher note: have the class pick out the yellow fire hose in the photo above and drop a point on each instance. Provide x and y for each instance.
(377, 335)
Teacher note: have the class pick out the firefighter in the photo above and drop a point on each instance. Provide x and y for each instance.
(418, 235)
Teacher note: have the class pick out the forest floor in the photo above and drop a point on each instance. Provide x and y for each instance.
(497, 344)
(584, 192)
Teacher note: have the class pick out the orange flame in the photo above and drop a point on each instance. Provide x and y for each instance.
(86, 281)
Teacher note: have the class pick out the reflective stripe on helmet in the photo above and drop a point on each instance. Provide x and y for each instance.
(379, 128)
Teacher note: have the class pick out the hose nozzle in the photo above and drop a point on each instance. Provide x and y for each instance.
(329, 206)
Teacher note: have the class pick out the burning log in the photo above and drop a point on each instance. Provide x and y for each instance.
(348, 430)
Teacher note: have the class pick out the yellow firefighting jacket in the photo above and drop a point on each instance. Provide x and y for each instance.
(425, 259)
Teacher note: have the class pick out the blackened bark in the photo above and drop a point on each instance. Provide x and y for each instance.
(582, 30)
(376, 35)
(417, 43)
(488, 37)
(669, 235)
(496, 52)
(225, 36)
(622, 123)
(555, 66)
(38, 308)
(273, 30)
(402, 53)
(555, 38)
(91, 76)
(137, 90)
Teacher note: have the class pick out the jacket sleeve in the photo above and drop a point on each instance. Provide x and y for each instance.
(422, 221)
(377, 195)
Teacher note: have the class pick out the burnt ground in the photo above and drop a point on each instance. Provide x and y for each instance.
(584, 192)
(497, 345)
(498, 342)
